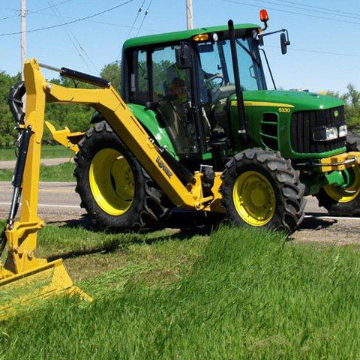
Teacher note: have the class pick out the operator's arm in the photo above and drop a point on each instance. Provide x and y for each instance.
(208, 76)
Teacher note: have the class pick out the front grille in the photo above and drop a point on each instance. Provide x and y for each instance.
(303, 125)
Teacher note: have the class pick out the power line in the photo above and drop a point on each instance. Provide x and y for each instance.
(321, 8)
(316, 51)
(33, 12)
(70, 22)
(294, 49)
(9, 9)
(50, 7)
(136, 18)
(326, 52)
(97, 22)
(132, 27)
(290, 12)
(9, 17)
(307, 8)
(67, 32)
(76, 39)
(145, 15)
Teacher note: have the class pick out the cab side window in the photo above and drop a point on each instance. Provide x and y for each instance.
(168, 79)
(172, 88)
(139, 80)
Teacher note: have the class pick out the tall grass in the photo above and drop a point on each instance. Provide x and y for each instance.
(249, 296)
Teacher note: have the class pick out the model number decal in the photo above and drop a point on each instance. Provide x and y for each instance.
(284, 110)
(163, 167)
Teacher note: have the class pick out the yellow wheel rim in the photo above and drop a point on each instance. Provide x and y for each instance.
(112, 182)
(345, 195)
(254, 198)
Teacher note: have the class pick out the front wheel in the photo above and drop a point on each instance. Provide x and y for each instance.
(261, 189)
(344, 201)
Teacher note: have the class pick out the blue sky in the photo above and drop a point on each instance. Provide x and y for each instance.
(313, 62)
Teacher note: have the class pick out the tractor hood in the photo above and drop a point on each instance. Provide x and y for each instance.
(294, 99)
(273, 123)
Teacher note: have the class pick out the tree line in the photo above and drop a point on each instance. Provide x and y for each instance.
(77, 117)
(351, 99)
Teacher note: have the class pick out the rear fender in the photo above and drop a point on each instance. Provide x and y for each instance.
(151, 124)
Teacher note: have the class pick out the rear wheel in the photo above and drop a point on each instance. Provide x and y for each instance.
(344, 201)
(261, 189)
(115, 190)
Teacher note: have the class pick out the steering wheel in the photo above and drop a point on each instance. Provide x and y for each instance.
(214, 77)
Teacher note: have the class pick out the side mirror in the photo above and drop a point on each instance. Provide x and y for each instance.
(284, 42)
(184, 56)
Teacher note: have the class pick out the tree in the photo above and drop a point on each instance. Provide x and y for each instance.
(353, 96)
(352, 106)
(7, 125)
(112, 72)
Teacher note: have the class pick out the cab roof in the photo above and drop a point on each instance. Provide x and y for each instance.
(180, 35)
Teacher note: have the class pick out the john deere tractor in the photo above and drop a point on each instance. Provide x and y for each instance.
(199, 130)
(202, 98)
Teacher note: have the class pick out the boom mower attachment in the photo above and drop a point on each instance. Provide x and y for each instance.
(23, 276)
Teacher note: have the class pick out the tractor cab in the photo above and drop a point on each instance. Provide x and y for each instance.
(188, 83)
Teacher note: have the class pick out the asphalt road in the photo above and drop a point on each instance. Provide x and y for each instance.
(10, 164)
(60, 199)
(59, 203)
(57, 200)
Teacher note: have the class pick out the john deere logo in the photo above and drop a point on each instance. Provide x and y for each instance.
(336, 114)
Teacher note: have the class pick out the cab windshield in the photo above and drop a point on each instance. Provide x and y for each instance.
(217, 70)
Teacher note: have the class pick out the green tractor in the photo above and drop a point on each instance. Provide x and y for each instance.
(202, 97)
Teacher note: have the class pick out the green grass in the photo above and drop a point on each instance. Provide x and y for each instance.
(47, 152)
(62, 172)
(240, 294)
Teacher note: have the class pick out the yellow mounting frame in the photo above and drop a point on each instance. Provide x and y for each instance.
(340, 162)
(21, 264)
(63, 136)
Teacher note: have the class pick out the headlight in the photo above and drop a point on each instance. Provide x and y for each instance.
(332, 133)
(342, 131)
(326, 134)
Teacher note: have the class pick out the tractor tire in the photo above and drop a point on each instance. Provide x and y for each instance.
(116, 191)
(261, 189)
(343, 202)
(353, 143)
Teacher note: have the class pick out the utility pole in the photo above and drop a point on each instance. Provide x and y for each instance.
(23, 35)
(189, 14)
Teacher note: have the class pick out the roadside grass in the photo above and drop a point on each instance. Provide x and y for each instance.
(63, 172)
(47, 152)
(238, 294)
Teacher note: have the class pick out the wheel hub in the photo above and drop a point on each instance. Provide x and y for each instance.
(258, 197)
(254, 198)
(112, 182)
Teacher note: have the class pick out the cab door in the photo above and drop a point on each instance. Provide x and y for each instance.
(173, 89)
(156, 78)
